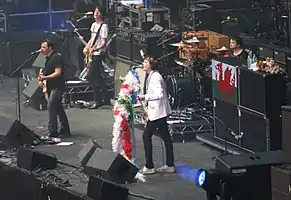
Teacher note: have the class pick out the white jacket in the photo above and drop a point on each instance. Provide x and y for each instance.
(156, 96)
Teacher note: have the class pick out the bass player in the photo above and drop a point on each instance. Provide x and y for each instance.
(95, 47)
(53, 77)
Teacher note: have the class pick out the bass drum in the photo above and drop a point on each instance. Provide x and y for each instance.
(181, 91)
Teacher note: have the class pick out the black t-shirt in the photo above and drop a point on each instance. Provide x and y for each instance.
(243, 55)
(54, 61)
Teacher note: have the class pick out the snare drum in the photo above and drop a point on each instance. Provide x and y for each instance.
(181, 91)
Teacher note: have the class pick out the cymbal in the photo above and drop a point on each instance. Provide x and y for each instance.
(199, 7)
(182, 63)
(193, 40)
(179, 45)
(222, 49)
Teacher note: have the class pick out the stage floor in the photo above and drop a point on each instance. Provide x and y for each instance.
(97, 124)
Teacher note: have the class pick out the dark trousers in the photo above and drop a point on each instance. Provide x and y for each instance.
(56, 111)
(95, 77)
(163, 130)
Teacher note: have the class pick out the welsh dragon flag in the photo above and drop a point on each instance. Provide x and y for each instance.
(224, 82)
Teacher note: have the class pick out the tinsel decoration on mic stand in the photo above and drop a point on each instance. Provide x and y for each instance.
(123, 140)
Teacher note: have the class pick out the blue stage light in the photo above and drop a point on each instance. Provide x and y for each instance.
(200, 177)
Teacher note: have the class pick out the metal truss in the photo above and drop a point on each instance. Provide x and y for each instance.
(180, 129)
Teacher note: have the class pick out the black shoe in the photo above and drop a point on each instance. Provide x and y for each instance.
(95, 106)
(53, 134)
(63, 133)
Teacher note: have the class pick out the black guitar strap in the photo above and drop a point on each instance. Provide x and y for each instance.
(97, 34)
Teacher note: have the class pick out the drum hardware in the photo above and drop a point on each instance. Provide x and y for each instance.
(180, 45)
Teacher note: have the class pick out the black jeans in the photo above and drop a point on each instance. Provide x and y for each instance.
(56, 110)
(95, 77)
(163, 129)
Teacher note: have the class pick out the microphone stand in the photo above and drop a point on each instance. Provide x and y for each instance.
(17, 72)
(227, 130)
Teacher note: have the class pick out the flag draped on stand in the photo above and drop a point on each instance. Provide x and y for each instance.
(224, 82)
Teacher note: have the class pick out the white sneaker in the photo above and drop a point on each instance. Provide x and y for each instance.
(166, 169)
(146, 171)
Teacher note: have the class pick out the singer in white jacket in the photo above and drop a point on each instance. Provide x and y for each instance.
(158, 108)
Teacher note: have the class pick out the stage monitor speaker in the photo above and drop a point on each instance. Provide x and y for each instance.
(111, 166)
(281, 182)
(39, 62)
(101, 189)
(286, 132)
(264, 134)
(35, 95)
(14, 134)
(32, 160)
(86, 153)
(252, 173)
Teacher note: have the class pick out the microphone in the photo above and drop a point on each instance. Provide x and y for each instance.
(137, 67)
(86, 16)
(34, 52)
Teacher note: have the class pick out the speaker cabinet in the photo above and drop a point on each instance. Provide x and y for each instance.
(111, 166)
(257, 92)
(122, 68)
(146, 41)
(124, 42)
(251, 173)
(286, 132)
(33, 160)
(281, 181)
(260, 133)
(14, 134)
(87, 152)
(35, 95)
(101, 189)
(226, 119)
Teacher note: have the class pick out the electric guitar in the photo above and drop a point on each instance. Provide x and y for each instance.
(44, 87)
(88, 56)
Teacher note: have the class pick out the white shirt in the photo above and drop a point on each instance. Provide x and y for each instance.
(157, 98)
(102, 35)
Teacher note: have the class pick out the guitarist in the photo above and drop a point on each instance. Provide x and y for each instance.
(96, 46)
(53, 75)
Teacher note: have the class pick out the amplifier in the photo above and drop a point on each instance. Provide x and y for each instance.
(286, 132)
(252, 173)
(265, 51)
(124, 42)
(121, 69)
(226, 116)
(280, 56)
(281, 182)
(260, 92)
(260, 133)
(146, 41)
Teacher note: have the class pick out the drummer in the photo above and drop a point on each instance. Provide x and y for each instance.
(236, 45)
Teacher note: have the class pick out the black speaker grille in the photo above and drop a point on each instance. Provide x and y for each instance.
(263, 93)
(226, 115)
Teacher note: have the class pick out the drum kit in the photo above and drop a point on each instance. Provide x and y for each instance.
(185, 89)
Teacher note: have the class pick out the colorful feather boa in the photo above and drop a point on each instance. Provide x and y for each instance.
(123, 135)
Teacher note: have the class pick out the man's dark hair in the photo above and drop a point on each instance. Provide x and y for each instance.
(101, 10)
(153, 61)
(238, 41)
(49, 42)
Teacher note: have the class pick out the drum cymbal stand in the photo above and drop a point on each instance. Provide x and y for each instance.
(163, 42)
